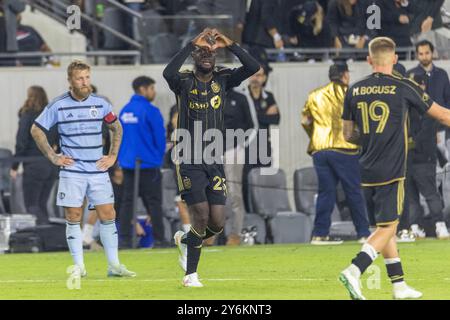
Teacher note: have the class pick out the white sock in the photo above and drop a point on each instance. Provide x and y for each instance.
(186, 227)
(110, 241)
(75, 242)
(88, 229)
(367, 248)
(392, 260)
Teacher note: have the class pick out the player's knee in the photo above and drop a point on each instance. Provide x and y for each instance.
(201, 221)
(73, 215)
(107, 213)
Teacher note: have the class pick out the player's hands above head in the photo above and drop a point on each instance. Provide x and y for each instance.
(61, 160)
(106, 162)
(205, 39)
(221, 40)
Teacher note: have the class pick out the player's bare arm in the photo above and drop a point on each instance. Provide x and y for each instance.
(440, 113)
(42, 142)
(108, 161)
(351, 132)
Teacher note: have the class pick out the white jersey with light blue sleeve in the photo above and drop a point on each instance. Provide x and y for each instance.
(80, 130)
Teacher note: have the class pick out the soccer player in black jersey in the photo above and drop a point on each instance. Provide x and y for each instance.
(200, 99)
(376, 117)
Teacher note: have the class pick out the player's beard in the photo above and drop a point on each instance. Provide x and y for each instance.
(203, 70)
(82, 92)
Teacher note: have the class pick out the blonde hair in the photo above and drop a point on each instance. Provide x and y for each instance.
(380, 50)
(75, 66)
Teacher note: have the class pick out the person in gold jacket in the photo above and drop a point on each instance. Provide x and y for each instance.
(335, 160)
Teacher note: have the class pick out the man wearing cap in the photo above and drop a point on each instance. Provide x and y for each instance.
(335, 160)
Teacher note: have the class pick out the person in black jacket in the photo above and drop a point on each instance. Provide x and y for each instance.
(262, 27)
(38, 175)
(396, 17)
(427, 16)
(347, 23)
(268, 114)
(307, 23)
(240, 114)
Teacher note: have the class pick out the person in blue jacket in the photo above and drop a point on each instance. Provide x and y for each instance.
(144, 139)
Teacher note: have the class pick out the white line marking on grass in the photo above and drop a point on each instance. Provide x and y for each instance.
(177, 279)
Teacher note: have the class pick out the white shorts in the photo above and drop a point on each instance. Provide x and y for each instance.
(72, 190)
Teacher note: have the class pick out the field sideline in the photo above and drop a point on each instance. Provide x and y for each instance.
(297, 271)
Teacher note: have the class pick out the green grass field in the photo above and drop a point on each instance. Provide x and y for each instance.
(257, 272)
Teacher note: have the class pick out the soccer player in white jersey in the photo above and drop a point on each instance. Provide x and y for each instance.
(79, 115)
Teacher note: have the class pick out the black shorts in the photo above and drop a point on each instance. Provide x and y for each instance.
(385, 203)
(202, 182)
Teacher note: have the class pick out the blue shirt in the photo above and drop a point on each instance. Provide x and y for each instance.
(80, 130)
(144, 134)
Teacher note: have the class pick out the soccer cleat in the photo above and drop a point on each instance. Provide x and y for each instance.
(78, 272)
(323, 241)
(418, 232)
(182, 250)
(406, 293)
(405, 236)
(191, 280)
(351, 283)
(120, 271)
(362, 240)
(442, 231)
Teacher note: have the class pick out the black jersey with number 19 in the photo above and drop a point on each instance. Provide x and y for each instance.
(379, 105)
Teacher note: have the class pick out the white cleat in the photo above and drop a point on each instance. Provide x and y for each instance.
(78, 272)
(406, 293)
(351, 283)
(405, 236)
(418, 232)
(182, 250)
(120, 271)
(191, 280)
(442, 231)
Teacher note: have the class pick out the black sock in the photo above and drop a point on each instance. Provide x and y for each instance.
(210, 232)
(395, 272)
(194, 247)
(362, 261)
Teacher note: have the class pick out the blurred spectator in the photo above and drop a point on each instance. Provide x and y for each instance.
(173, 7)
(427, 16)
(240, 114)
(262, 26)
(135, 5)
(236, 9)
(38, 175)
(422, 168)
(268, 115)
(8, 27)
(309, 27)
(286, 6)
(396, 16)
(144, 138)
(347, 23)
(29, 40)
